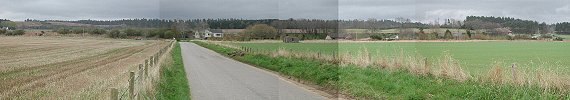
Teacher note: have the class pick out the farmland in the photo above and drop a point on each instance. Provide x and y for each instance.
(439, 30)
(475, 57)
(70, 67)
(409, 80)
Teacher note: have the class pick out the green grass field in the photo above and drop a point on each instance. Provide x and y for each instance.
(473, 56)
(439, 30)
(371, 83)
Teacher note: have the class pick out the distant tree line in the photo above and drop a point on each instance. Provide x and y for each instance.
(314, 27)
(305, 25)
(123, 33)
(146, 33)
(563, 28)
(138, 23)
(79, 30)
(516, 25)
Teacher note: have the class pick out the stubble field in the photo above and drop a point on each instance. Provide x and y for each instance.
(69, 67)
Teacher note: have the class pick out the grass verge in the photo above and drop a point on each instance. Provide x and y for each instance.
(173, 84)
(377, 83)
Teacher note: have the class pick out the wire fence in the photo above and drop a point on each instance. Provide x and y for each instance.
(140, 79)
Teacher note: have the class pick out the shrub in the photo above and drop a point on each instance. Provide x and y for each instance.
(114, 34)
(16, 32)
(63, 31)
(78, 31)
(133, 32)
(435, 35)
(377, 36)
(468, 33)
(98, 31)
(235, 37)
(381, 36)
(423, 35)
(153, 33)
(448, 35)
(261, 31)
(557, 38)
(2, 31)
(168, 34)
(122, 35)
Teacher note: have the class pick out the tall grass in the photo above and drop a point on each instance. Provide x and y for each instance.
(173, 84)
(445, 66)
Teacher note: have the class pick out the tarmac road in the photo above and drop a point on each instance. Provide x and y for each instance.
(215, 77)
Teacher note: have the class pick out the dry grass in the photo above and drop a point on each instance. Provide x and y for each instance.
(545, 78)
(445, 66)
(67, 67)
(495, 74)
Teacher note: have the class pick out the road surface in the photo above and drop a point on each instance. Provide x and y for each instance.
(214, 77)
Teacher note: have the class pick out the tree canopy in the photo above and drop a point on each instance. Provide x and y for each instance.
(261, 31)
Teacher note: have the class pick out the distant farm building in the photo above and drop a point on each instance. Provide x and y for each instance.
(218, 33)
(5, 28)
(457, 34)
(334, 36)
(328, 38)
(499, 31)
(291, 39)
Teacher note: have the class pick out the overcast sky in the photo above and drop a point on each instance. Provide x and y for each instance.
(549, 11)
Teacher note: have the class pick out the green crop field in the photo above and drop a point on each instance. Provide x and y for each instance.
(439, 30)
(476, 57)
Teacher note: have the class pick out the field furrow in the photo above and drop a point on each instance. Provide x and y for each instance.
(34, 69)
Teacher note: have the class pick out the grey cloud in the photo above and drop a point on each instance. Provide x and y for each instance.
(419, 10)
(192, 9)
(309, 9)
(78, 9)
(426, 10)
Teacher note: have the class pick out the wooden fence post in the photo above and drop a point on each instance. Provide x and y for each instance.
(145, 71)
(141, 71)
(132, 85)
(151, 61)
(146, 62)
(156, 58)
(114, 94)
(514, 72)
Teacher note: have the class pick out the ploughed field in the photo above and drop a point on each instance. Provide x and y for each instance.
(69, 67)
(474, 57)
